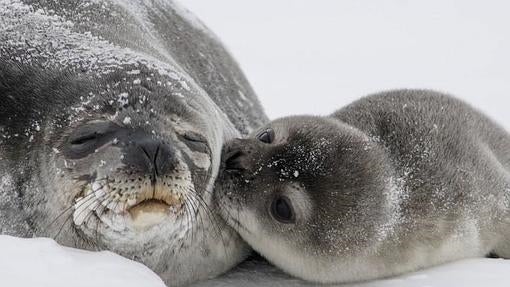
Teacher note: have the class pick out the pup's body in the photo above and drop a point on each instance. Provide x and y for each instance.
(392, 183)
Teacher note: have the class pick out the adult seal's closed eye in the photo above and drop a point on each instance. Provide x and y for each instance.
(112, 118)
(392, 183)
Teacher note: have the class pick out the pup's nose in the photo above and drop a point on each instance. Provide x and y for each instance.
(150, 155)
(235, 157)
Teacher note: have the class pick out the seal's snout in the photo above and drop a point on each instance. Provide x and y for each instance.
(235, 157)
(234, 161)
(150, 156)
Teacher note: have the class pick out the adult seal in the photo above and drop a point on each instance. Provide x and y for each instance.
(392, 183)
(112, 119)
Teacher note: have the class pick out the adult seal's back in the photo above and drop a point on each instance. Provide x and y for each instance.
(112, 118)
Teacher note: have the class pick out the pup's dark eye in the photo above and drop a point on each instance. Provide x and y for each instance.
(87, 138)
(266, 136)
(196, 141)
(281, 210)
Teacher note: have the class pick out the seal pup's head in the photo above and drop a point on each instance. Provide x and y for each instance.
(311, 194)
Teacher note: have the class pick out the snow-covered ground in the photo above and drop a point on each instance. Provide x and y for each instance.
(43, 263)
(313, 57)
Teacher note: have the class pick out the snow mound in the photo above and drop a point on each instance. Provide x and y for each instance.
(42, 262)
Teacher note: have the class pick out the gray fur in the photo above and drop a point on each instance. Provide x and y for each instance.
(149, 68)
(392, 183)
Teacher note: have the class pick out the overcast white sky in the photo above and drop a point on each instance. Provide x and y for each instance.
(315, 56)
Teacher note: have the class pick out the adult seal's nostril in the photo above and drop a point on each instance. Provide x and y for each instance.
(150, 156)
(164, 159)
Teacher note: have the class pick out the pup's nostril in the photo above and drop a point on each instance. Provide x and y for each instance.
(234, 161)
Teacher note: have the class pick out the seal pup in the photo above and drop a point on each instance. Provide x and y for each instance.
(112, 119)
(392, 183)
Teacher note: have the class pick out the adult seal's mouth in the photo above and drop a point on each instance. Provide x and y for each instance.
(112, 119)
(139, 209)
(149, 213)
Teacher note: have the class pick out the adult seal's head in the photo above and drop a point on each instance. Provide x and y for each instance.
(112, 120)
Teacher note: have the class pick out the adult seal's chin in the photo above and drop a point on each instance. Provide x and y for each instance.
(121, 110)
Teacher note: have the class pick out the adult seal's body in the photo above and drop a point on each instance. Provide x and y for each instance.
(390, 184)
(112, 118)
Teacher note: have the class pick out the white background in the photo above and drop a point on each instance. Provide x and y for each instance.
(315, 56)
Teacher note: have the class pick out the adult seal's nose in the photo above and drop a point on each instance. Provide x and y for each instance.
(150, 156)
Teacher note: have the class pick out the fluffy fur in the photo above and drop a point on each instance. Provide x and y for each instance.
(392, 183)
